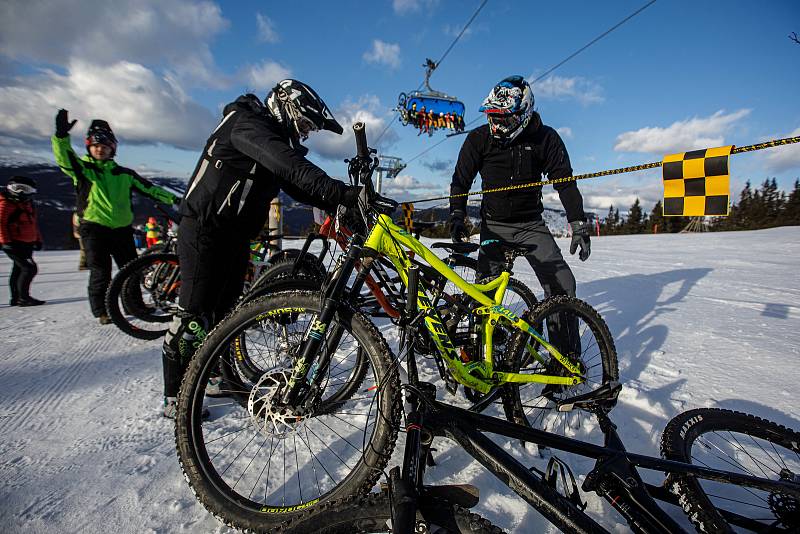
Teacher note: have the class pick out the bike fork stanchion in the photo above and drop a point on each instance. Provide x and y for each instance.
(404, 488)
(316, 335)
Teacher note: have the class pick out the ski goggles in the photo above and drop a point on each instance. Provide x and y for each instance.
(503, 120)
(21, 189)
(305, 126)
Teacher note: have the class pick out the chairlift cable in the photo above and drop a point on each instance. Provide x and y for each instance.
(590, 43)
(464, 29)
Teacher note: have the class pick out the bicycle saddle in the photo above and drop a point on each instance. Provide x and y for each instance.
(509, 250)
(465, 247)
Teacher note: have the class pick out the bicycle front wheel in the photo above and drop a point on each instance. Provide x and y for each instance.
(255, 464)
(741, 443)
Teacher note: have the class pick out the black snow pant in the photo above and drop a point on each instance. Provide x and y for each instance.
(548, 264)
(22, 272)
(101, 243)
(213, 265)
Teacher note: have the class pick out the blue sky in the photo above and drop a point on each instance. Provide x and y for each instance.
(680, 75)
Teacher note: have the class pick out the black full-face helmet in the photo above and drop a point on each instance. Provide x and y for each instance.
(299, 108)
(20, 188)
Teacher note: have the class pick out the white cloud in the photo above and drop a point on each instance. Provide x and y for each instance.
(140, 106)
(565, 132)
(263, 77)
(383, 54)
(365, 109)
(452, 30)
(621, 191)
(404, 7)
(266, 29)
(559, 88)
(783, 158)
(406, 187)
(166, 33)
(680, 136)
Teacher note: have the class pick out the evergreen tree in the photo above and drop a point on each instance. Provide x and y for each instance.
(634, 222)
(655, 224)
(791, 208)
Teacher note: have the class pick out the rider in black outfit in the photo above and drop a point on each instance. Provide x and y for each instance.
(253, 153)
(516, 148)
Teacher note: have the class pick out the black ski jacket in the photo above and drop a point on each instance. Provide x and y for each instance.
(536, 151)
(246, 161)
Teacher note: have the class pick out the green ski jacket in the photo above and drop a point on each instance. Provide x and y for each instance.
(103, 187)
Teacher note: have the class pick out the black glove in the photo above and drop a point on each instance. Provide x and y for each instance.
(383, 204)
(350, 196)
(63, 125)
(37, 245)
(458, 228)
(580, 237)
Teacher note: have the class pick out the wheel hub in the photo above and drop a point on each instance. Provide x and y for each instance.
(786, 507)
(270, 417)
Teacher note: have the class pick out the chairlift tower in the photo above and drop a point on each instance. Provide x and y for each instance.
(390, 165)
(697, 224)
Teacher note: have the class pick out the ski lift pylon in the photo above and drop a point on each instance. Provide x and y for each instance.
(430, 110)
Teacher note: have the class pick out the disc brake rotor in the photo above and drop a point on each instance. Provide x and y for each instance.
(271, 418)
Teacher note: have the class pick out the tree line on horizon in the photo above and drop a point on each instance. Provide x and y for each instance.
(763, 207)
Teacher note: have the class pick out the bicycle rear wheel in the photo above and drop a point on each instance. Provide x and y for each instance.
(143, 295)
(742, 443)
(580, 334)
(255, 465)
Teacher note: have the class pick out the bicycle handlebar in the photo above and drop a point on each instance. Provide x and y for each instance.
(360, 131)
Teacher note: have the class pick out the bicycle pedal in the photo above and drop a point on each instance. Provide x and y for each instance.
(450, 384)
(464, 495)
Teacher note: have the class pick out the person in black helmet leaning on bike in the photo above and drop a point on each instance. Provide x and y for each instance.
(253, 153)
(515, 148)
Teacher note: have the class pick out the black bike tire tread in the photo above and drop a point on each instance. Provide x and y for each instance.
(511, 402)
(361, 488)
(310, 266)
(691, 497)
(114, 291)
(337, 517)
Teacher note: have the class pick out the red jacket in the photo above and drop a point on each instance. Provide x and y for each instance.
(18, 221)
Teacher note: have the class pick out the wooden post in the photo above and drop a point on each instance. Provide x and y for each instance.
(275, 225)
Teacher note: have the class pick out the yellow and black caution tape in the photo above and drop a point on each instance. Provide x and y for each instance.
(408, 216)
(653, 165)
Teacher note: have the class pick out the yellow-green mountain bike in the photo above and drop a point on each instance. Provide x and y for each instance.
(321, 421)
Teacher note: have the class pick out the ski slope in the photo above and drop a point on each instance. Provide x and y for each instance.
(698, 320)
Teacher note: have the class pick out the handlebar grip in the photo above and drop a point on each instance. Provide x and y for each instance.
(360, 131)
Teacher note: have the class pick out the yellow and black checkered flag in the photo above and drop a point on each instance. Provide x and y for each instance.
(408, 216)
(697, 183)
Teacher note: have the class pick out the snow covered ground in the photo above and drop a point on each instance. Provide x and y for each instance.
(698, 320)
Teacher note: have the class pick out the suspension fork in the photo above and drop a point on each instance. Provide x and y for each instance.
(316, 335)
(405, 487)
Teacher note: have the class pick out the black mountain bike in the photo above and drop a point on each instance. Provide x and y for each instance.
(319, 418)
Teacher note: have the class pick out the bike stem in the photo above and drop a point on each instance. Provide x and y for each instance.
(316, 335)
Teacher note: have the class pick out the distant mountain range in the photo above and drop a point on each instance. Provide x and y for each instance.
(55, 203)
